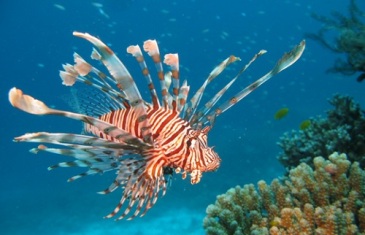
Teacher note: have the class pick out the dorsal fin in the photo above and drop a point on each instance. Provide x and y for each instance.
(83, 72)
(151, 47)
(183, 94)
(173, 61)
(286, 60)
(137, 53)
(195, 100)
(125, 83)
(207, 106)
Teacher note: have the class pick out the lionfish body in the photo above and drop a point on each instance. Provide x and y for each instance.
(143, 142)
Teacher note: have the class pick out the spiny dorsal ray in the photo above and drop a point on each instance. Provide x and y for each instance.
(287, 60)
(124, 81)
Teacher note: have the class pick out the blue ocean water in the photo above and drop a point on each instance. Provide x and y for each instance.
(37, 38)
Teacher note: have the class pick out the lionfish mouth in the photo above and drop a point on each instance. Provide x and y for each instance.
(121, 128)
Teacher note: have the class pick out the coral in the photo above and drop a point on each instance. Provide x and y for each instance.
(349, 40)
(343, 130)
(326, 199)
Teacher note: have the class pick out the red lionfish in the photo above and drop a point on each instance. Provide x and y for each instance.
(143, 142)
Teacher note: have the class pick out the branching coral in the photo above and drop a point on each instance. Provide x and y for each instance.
(343, 130)
(350, 40)
(328, 199)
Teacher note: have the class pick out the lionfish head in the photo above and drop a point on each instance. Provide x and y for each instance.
(203, 157)
(200, 158)
(212, 159)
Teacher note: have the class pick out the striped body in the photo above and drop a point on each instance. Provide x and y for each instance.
(144, 143)
(176, 144)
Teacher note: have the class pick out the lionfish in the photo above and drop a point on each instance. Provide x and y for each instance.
(143, 142)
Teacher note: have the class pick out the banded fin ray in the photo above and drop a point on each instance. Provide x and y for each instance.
(97, 159)
(79, 152)
(124, 81)
(73, 139)
(142, 191)
(126, 169)
(195, 100)
(83, 72)
(286, 60)
(135, 50)
(207, 106)
(97, 154)
(172, 60)
(30, 105)
(151, 47)
(183, 95)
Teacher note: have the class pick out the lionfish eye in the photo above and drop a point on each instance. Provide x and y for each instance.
(191, 143)
(188, 143)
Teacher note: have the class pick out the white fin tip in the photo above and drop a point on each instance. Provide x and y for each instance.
(172, 60)
(134, 50)
(151, 47)
(81, 66)
(26, 103)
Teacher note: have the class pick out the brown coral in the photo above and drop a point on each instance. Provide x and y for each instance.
(328, 199)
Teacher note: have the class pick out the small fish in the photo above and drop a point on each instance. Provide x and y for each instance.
(281, 113)
(304, 124)
(60, 7)
(143, 142)
(97, 4)
(100, 9)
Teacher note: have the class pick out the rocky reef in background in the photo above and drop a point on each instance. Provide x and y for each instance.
(327, 198)
(318, 195)
(343, 130)
(349, 39)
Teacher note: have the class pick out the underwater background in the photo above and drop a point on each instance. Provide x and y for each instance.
(36, 38)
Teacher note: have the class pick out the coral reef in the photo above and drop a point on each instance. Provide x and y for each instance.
(343, 130)
(349, 40)
(326, 199)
